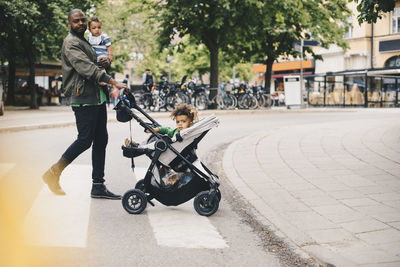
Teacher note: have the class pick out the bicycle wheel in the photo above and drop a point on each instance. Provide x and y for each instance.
(252, 102)
(171, 102)
(201, 102)
(229, 101)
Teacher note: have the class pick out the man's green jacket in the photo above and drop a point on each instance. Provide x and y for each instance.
(80, 73)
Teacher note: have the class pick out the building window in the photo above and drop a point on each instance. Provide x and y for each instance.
(396, 20)
(393, 62)
(349, 29)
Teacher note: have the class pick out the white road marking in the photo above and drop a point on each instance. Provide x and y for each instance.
(62, 221)
(5, 167)
(181, 226)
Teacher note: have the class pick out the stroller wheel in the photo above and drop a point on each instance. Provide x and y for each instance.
(140, 185)
(202, 205)
(219, 195)
(134, 201)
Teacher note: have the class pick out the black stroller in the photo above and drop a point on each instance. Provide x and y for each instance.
(171, 159)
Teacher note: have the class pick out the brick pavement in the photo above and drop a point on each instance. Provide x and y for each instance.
(331, 190)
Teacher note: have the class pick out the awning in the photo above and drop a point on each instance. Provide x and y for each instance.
(283, 66)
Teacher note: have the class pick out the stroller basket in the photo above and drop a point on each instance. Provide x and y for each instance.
(132, 152)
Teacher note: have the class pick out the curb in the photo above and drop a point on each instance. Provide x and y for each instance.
(253, 199)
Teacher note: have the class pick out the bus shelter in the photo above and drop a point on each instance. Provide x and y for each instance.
(358, 89)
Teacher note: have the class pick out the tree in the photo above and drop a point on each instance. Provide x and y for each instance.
(273, 27)
(34, 30)
(371, 10)
(211, 23)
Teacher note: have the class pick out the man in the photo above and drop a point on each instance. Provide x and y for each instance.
(83, 85)
(148, 81)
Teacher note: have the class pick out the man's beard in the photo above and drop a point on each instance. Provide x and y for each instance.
(79, 30)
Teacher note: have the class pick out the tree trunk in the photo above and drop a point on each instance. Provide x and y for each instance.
(214, 67)
(11, 71)
(268, 73)
(28, 43)
(213, 74)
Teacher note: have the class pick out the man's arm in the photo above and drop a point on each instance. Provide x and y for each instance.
(83, 65)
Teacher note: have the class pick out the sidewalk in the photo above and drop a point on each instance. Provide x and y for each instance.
(331, 190)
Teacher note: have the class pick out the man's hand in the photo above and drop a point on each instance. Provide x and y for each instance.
(117, 84)
(121, 85)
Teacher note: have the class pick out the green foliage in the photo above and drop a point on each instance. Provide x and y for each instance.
(129, 31)
(371, 10)
(211, 23)
(273, 26)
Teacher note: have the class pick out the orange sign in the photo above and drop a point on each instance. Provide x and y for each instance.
(282, 66)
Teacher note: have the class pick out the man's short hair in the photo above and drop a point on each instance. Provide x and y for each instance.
(73, 11)
(147, 69)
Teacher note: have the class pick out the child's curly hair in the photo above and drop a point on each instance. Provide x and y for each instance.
(183, 109)
(94, 19)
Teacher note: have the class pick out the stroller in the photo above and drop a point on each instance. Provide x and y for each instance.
(172, 159)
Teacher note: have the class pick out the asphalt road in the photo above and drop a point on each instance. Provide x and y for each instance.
(101, 233)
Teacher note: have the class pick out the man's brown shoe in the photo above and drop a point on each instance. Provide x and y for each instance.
(53, 182)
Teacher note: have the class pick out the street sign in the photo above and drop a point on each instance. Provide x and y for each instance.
(297, 45)
(311, 43)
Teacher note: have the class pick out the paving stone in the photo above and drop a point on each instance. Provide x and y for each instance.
(389, 247)
(345, 194)
(308, 220)
(392, 203)
(368, 255)
(345, 217)
(332, 209)
(376, 209)
(298, 186)
(374, 189)
(331, 186)
(354, 180)
(361, 226)
(309, 193)
(381, 236)
(320, 201)
(385, 196)
(395, 225)
(355, 202)
(328, 256)
(388, 217)
(330, 235)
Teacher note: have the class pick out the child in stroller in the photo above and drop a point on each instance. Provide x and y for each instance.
(175, 174)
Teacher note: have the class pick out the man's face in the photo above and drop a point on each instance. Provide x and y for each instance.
(77, 22)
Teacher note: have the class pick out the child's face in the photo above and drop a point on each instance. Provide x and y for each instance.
(95, 28)
(183, 122)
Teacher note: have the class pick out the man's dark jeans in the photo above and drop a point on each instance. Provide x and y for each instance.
(91, 122)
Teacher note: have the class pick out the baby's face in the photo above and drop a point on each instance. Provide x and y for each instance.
(95, 28)
(183, 122)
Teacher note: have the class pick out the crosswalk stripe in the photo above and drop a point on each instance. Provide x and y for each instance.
(5, 167)
(61, 221)
(181, 226)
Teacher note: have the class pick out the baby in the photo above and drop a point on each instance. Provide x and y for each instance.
(184, 115)
(99, 41)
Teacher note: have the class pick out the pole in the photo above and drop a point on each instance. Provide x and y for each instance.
(301, 72)
(169, 58)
